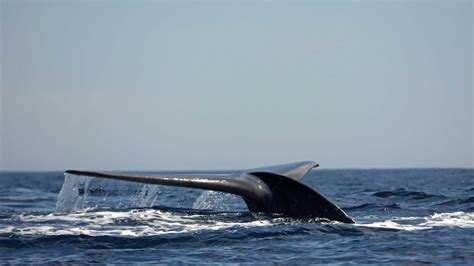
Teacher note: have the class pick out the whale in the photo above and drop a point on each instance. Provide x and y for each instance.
(273, 189)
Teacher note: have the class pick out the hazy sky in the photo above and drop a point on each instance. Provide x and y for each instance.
(154, 85)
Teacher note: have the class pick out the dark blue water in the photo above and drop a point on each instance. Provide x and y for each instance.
(403, 216)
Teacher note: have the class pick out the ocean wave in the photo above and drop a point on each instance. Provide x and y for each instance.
(373, 206)
(401, 192)
(457, 202)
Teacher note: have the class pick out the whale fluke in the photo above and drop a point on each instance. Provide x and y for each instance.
(272, 189)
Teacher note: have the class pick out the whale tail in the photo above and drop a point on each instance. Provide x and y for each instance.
(273, 189)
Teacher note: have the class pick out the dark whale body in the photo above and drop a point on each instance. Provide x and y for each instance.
(273, 189)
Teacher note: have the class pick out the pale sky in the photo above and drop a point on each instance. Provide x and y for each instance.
(155, 85)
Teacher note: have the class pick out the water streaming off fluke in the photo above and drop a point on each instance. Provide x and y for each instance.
(219, 201)
(73, 193)
(80, 192)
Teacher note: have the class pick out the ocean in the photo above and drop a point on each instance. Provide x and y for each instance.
(403, 216)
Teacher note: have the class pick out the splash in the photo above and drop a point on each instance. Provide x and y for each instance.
(81, 192)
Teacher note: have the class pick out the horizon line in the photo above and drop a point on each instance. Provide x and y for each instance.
(231, 170)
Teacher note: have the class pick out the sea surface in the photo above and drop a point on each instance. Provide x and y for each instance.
(408, 216)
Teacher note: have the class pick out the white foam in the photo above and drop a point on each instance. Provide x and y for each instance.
(149, 222)
(115, 223)
(451, 219)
